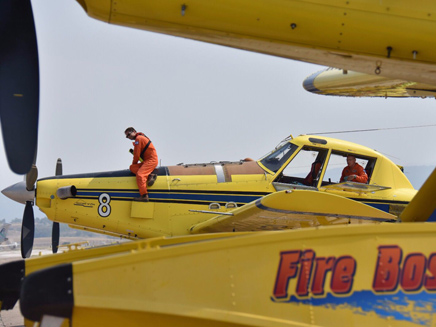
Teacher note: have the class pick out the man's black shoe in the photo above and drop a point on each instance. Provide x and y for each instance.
(142, 198)
(151, 179)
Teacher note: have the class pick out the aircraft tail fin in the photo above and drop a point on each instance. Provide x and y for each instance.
(423, 205)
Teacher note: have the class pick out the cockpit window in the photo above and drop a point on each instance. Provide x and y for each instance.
(276, 160)
(338, 161)
(305, 168)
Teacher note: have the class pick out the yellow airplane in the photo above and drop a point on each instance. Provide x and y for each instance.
(390, 39)
(346, 275)
(296, 185)
(256, 279)
(158, 277)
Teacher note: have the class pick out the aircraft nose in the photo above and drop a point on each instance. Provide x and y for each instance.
(19, 193)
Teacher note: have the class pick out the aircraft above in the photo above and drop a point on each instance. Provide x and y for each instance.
(297, 185)
(394, 40)
(339, 82)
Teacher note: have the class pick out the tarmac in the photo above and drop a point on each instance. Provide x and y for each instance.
(12, 317)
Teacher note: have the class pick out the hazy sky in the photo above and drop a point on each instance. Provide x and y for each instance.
(197, 102)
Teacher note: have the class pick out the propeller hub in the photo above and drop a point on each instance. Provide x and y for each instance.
(19, 193)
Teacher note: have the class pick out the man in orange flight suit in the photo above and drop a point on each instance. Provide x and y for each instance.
(143, 148)
(353, 172)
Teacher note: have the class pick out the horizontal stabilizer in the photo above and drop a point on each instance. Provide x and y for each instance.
(293, 209)
(423, 203)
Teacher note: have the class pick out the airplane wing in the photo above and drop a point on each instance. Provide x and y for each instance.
(394, 40)
(292, 209)
(423, 205)
(338, 82)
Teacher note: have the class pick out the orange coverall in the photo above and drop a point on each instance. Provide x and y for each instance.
(357, 170)
(143, 169)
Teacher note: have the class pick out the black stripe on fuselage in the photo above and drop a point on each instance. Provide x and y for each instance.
(161, 171)
(175, 191)
(169, 201)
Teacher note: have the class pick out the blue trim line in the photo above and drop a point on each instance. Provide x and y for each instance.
(174, 196)
(384, 305)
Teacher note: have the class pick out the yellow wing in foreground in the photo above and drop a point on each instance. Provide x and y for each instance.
(423, 204)
(293, 209)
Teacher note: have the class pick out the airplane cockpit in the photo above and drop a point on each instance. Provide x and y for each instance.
(305, 168)
(312, 165)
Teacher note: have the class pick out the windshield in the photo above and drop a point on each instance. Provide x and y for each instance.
(277, 158)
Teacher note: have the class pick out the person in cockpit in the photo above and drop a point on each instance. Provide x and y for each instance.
(353, 172)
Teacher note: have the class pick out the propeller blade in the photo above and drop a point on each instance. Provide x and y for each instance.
(55, 234)
(27, 231)
(58, 167)
(31, 178)
(19, 80)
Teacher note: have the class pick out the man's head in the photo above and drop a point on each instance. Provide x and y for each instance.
(351, 160)
(130, 133)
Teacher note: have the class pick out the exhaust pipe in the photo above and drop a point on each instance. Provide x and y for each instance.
(66, 192)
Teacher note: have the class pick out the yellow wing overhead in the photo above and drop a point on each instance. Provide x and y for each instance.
(393, 40)
(293, 209)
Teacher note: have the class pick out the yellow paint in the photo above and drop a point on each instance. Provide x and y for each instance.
(78, 254)
(178, 203)
(142, 210)
(335, 82)
(353, 35)
(423, 204)
(242, 281)
(289, 209)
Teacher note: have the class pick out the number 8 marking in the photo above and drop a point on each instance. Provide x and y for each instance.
(104, 209)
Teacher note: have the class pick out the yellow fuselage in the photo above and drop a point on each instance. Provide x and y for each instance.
(104, 200)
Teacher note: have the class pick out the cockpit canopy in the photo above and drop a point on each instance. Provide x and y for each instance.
(311, 162)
